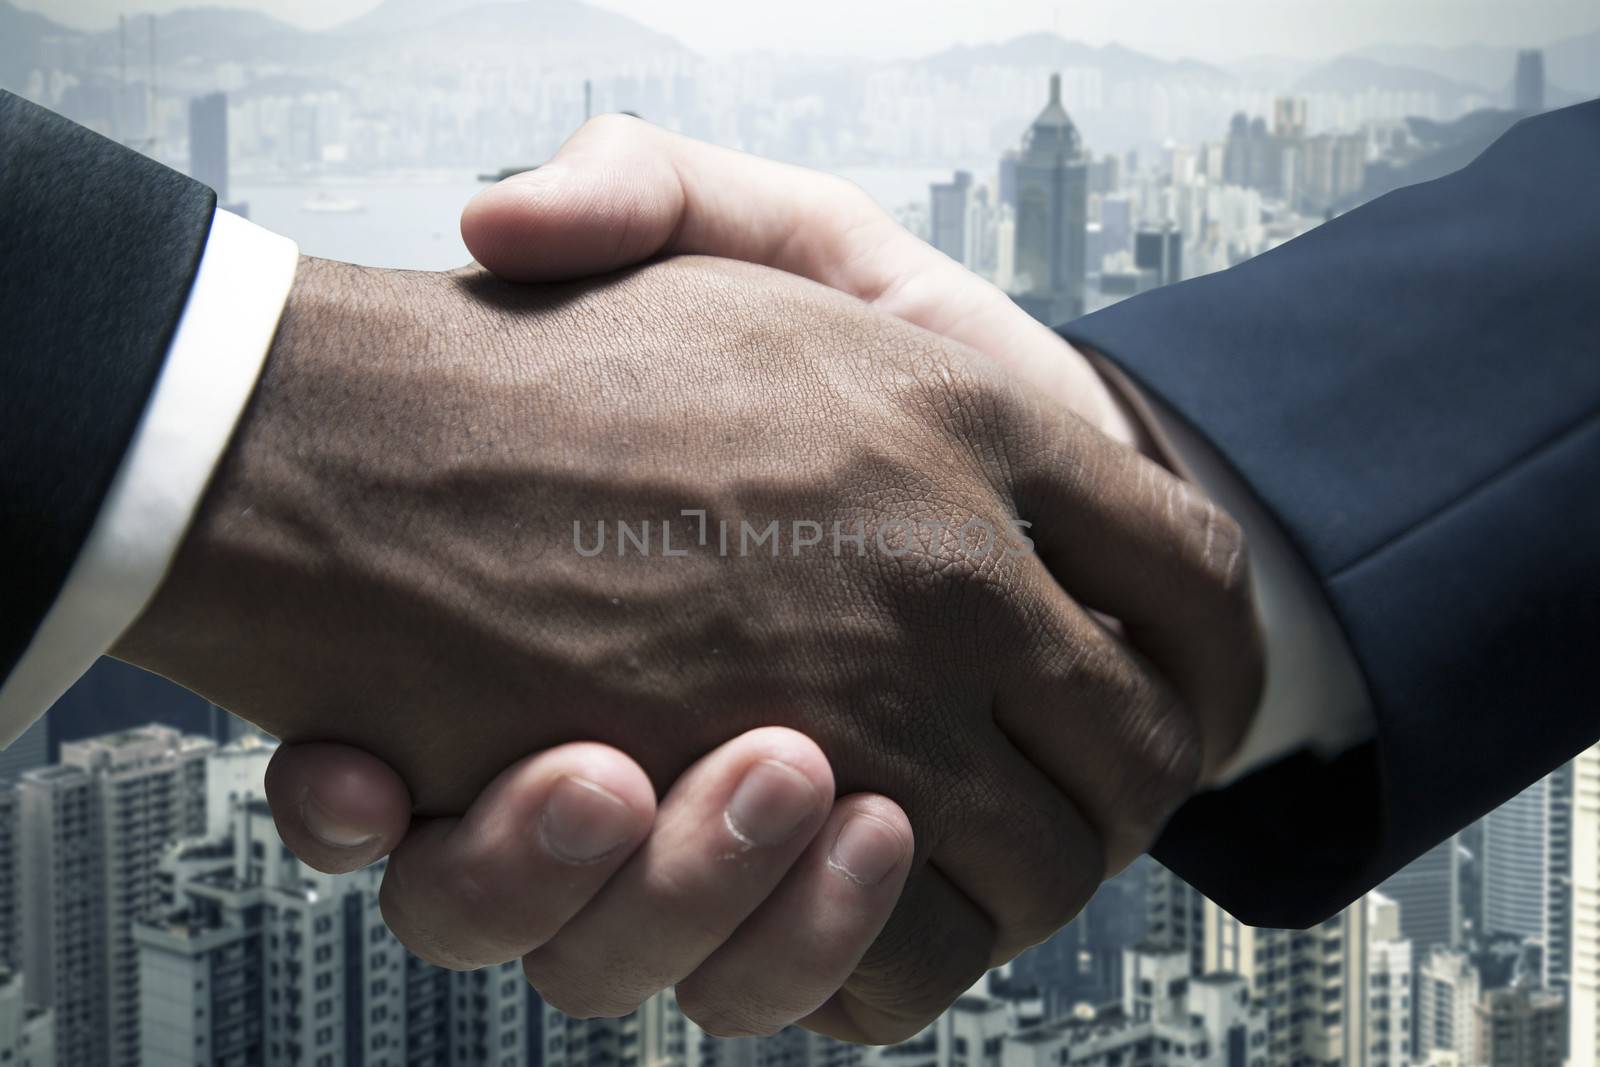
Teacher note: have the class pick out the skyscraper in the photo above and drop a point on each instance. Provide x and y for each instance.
(1175, 917)
(1446, 1005)
(208, 142)
(1428, 890)
(27, 1035)
(1521, 1028)
(28, 751)
(10, 920)
(1583, 988)
(1528, 94)
(1166, 1017)
(653, 1035)
(1289, 116)
(259, 960)
(1526, 873)
(1159, 250)
(1316, 985)
(1389, 1007)
(1052, 215)
(92, 830)
(1082, 962)
(947, 215)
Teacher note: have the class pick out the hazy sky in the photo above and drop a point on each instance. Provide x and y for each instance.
(1209, 29)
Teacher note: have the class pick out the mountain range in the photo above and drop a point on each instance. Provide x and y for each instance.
(557, 34)
(549, 33)
(1573, 63)
(1048, 50)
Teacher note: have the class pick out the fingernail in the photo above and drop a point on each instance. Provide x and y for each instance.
(769, 804)
(866, 850)
(584, 823)
(321, 824)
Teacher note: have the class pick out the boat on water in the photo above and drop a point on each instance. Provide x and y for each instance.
(327, 203)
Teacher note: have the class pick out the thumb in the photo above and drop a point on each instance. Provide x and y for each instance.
(621, 191)
(338, 808)
(609, 199)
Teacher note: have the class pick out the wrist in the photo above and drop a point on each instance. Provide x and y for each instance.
(224, 578)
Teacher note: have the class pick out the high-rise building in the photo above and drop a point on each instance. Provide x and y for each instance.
(1389, 984)
(1252, 156)
(10, 918)
(91, 833)
(1528, 94)
(1428, 890)
(1082, 963)
(1289, 116)
(234, 773)
(31, 749)
(1165, 1018)
(1526, 870)
(1330, 169)
(1159, 250)
(653, 1035)
(1175, 917)
(1583, 988)
(1116, 225)
(1007, 177)
(947, 215)
(1052, 215)
(208, 142)
(259, 960)
(1005, 248)
(1313, 983)
(27, 1034)
(985, 215)
(1522, 1028)
(1446, 1005)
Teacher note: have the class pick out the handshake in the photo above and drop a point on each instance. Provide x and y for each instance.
(803, 627)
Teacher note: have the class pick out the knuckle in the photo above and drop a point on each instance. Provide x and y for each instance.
(1167, 751)
(1217, 544)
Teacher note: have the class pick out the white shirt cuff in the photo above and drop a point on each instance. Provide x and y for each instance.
(1315, 697)
(211, 369)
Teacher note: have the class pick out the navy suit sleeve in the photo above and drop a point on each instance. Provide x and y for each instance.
(1413, 391)
(98, 249)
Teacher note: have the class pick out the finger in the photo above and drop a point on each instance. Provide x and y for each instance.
(1095, 717)
(338, 808)
(936, 944)
(1125, 537)
(819, 923)
(534, 848)
(621, 191)
(1016, 846)
(726, 834)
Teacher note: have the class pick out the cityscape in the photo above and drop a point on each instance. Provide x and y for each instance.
(150, 915)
